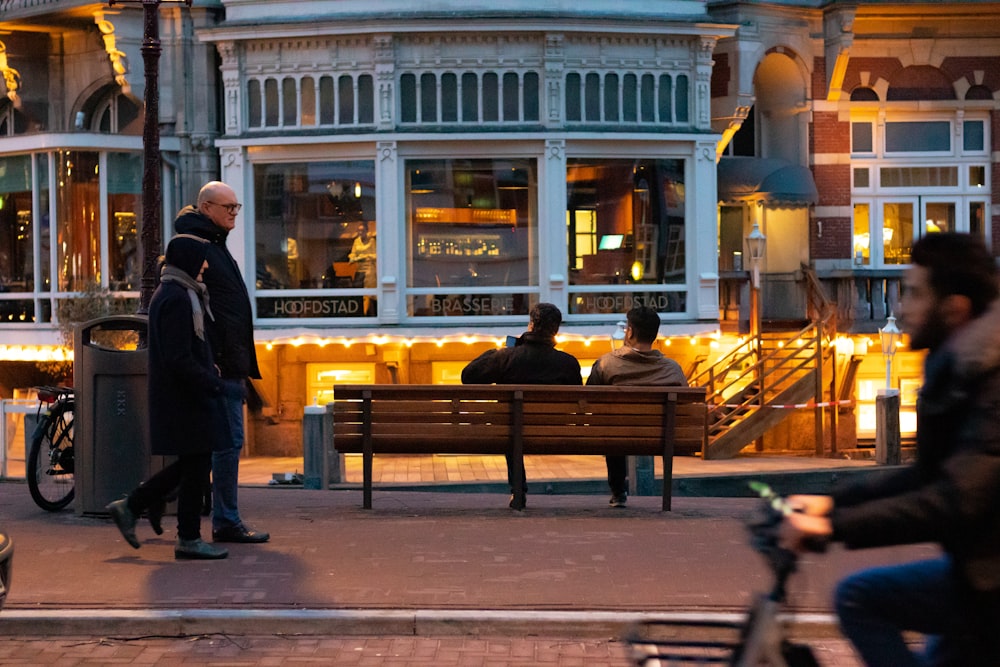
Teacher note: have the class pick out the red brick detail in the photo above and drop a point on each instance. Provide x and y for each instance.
(721, 75)
(833, 182)
(827, 134)
(819, 78)
(835, 241)
(956, 68)
(880, 68)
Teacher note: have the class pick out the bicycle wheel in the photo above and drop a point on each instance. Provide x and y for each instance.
(50, 463)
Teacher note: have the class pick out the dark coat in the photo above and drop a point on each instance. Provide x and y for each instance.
(186, 412)
(231, 334)
(533, 360)
(951, 495)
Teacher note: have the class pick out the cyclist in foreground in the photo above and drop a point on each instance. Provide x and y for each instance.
(950, 495)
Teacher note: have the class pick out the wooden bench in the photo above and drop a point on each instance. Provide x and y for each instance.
(518, 420)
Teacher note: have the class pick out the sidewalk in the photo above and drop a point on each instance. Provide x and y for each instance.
(429, 565)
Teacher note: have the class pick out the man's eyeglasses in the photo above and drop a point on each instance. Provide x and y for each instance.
(233, 209)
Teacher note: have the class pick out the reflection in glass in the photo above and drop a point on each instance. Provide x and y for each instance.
(308, 216)
(78, 221)
(125, 210)
(940, 217)
(16, 232)
(862, 234)
(625, 221)
(897, 232)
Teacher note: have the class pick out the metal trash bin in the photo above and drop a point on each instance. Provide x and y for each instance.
(111, 423)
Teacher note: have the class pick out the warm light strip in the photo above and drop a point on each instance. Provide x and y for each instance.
(711, 339)
(34, 353)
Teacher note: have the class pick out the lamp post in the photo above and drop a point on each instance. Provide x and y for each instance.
(618, 336)
(151, 162)
(887, 436)
(756, 247)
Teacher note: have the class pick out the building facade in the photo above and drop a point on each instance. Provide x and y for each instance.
(413, 180)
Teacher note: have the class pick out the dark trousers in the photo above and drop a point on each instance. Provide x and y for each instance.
(189, 476)
(876, 605)
(617, 474)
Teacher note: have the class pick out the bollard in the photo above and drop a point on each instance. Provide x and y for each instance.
(321, 464)
(888, 442)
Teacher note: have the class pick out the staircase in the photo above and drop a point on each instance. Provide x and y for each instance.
(747, 386)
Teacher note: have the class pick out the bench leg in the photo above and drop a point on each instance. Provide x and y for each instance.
(367, 458)
(668, 481)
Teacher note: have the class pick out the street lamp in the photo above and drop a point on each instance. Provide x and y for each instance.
(756, 246)
(151, 163)
(889, 336)
(618, 336)
(888, 441)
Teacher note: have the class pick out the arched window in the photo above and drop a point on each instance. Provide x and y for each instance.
(114, 113)
(979, 93)
(864, 94)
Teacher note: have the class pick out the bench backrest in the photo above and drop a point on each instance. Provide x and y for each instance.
(552, 419)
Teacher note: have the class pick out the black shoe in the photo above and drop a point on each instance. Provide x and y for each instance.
(124, 519)
(198, 550)
(155, 515)
(618, 500)
(517, 501)
(240, 533)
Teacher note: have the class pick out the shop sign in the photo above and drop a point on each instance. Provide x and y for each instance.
(470, 305)
(310, 306)
(622, 302)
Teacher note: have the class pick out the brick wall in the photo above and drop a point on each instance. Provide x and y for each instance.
(829, 135)
(833, 181)
(819, 79)
(836, 240)
(882, 68)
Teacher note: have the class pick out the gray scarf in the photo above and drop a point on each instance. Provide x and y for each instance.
(197, 292)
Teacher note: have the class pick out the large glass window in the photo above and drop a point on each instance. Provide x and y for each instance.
(16, 230)
(316, 229)
(124, 210)
(472, 235)
(626, 226)
(78, 225)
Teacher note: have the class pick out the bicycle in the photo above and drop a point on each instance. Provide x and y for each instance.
(760, 639)
(51, 462)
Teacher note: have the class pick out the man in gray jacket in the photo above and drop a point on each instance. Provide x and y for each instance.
(635, 363)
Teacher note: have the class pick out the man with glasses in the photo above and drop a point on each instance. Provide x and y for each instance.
(231, 337)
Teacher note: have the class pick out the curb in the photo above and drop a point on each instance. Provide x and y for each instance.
(399, 622)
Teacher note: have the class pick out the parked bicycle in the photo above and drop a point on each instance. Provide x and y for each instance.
(760, 639)
(50, 468)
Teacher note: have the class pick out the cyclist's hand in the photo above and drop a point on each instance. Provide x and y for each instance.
(811, 505)
(802, 532)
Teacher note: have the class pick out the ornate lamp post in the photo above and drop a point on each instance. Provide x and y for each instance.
(152, 201)
(887, 436)
(756, 247)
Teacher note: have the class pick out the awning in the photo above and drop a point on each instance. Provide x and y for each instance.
(776, 182)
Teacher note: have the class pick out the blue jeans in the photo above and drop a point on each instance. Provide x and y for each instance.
(876, 605)
(226, 471)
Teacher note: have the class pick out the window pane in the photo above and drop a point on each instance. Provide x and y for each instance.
(254, 117)
(408, 98)
(862, 235)
(345, 100)
(913, 177)
(977, 219)
(471, 223)
(918, 137)
(977, 176)
(16, 228)
(638, 211)
(592, 97)
(271, 105)
(897, 232)
(289, 100)
(573, 97)
(309, 216)
(491, 98)
(366, 99)
(308, 117)
(125, 209)
(939, 217)
(326, 101)
(78, 210)
(470, 98)
(611, 98)
(682, 99)
(511, 98)
(862, 177)
(648, 98)
(449, 98)
(861, 138)
(44, 228)
(531, 97)
(666, 98)
(428, 98)
(629, 102)
(974, 136)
